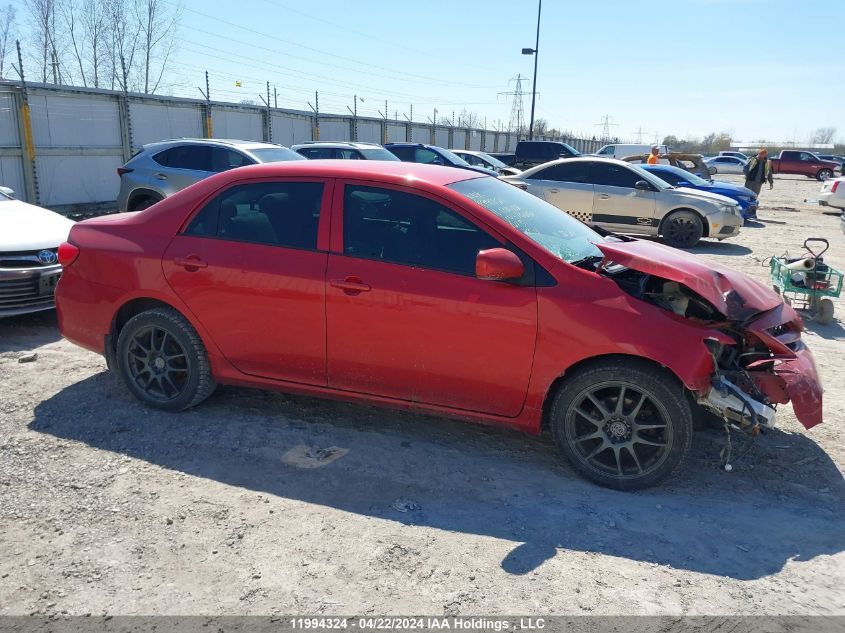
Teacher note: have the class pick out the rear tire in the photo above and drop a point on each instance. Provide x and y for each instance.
(622, 423)
(713, 171)
(142, 203)
(163, 361)
(682, 229)
(824, 174)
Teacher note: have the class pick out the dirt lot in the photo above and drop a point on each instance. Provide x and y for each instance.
(109, 507)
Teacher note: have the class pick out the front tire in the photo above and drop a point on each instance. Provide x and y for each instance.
(623, 424)
(683, 229)
(713, 171)
(163, 361)
(824, 174)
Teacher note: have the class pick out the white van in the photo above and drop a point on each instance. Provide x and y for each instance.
(621, 150)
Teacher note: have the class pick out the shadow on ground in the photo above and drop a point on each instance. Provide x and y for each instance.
(28, 331)
(720, 248)
(475, 480)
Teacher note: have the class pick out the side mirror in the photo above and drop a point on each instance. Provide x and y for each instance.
(8, 191)
(642, 185)
(498, 264)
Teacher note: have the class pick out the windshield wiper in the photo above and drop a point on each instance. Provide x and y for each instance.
(589, 259)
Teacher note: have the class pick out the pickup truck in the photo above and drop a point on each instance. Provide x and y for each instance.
(803, 163)
(531, 153)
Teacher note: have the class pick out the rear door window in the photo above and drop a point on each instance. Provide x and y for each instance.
(275, 213)
(564, 172)
(193, 157)
(612, 175)
(316, 152)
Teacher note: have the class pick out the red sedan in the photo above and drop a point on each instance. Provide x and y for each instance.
(434, 289)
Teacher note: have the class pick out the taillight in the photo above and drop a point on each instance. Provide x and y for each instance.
(124, 170)
(67, 253)
(835, 186)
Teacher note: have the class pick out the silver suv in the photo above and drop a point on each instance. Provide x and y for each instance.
(343, 150)
(161, 169)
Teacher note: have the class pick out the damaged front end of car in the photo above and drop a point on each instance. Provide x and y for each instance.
(759, 359)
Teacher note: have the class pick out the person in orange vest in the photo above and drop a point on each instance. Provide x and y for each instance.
(757, 171)
(652, 158)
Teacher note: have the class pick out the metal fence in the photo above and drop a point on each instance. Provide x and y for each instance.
(60, 146)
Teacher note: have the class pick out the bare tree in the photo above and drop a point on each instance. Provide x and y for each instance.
(7, 25)
(86, 22)
(69, 14)
(541, 127)
(121, 44)
(158, 22)
(822, 136)
(46, 32)
(468, 118)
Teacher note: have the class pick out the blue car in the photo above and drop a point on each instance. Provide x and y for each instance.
(678, 177)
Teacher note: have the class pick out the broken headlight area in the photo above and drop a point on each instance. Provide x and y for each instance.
(745, 387)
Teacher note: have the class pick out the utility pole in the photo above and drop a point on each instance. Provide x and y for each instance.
(30, 171)
(433, 121)
(209, 132)
(534, 51)
(354, 113)
(275, 97)
(384, 116)
(315, 136)
(268, 118)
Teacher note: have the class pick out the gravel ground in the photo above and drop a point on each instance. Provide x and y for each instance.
(261, 503)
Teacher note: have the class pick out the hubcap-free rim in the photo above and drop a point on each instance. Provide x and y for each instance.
(157, 363)
(619, 429)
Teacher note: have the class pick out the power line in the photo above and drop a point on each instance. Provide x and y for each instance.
(310, 48)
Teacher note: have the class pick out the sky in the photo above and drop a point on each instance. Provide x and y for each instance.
(758, 69)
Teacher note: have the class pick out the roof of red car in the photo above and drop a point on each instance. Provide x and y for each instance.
(388, 171)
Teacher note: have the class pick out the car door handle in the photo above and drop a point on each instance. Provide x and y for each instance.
(554, 190)
(190, 263)
(604, 196)
(160, 176)
(351, 285)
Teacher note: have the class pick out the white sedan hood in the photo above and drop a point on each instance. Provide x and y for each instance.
(24, 227)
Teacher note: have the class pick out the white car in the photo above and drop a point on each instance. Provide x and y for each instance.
(833, 193)
(483, 159)
(29, 264)
(725, 165)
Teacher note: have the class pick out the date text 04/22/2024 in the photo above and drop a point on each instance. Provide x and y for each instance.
(418, 623)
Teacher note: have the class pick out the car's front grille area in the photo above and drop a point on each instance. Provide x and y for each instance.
(27, 294)
(26, 259)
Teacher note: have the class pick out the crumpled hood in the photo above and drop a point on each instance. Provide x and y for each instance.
(735, 295)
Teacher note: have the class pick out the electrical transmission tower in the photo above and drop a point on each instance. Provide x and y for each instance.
(606, 125)
(517, 108)
(639, 133)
